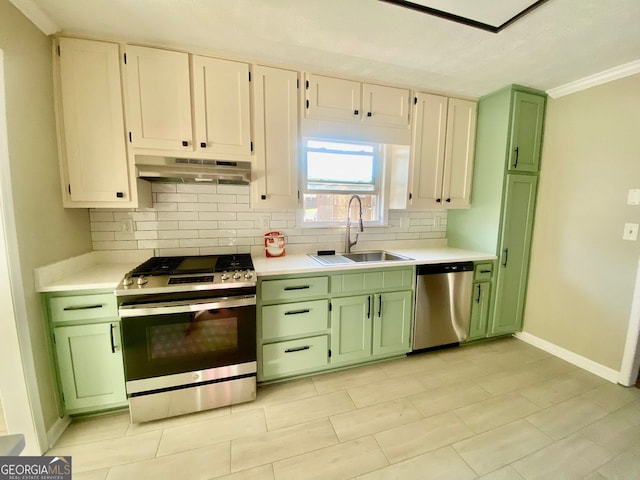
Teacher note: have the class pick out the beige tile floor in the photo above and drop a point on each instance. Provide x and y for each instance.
(499, 410)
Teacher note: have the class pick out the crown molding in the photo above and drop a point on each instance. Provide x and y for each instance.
(615, 73)
(37, 16)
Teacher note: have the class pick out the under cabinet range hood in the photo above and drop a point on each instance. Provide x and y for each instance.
(192, 170)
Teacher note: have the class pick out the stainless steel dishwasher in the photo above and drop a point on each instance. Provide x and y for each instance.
(443, 304)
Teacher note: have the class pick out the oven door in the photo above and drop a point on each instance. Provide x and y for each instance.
(176, 337)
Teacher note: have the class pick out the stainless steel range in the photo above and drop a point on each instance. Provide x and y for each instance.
(188, 334)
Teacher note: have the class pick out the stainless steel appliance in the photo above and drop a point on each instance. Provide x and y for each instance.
(188, 334)
(443, 304)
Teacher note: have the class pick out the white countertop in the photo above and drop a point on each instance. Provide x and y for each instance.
(302, 263)
(94, 270)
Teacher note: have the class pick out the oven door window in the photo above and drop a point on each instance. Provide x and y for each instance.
(176, 343)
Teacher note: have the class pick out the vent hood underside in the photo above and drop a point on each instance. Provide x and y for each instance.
(192, 170)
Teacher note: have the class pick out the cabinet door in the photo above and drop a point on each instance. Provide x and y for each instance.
(275, 110)
(427, 151)
(90, 366)
(351, 328)
(480, 304)
(515, 243)
(159, 99)
(392, 323)
(526, 132)
(459, 153)
(385, 105)
(92, 124)
(221, 106)
(334, 98)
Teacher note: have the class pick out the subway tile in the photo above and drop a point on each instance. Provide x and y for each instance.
(197, 225)
(196, 188)
(232, 207)
(216, 233)
(214, 198)
(197, 207)
(177, 216)
(166, 234)
(215, 215)
(127, 245)
(177, 197)
(169, 225)
(148, 244)
(162, 187)
(243, 199)
(146, 234)
(105, 226)
(166, 207)
(198, 242)
(102, 236)
(234, 189)
(169, 252)
(227, 224)
(97, 216)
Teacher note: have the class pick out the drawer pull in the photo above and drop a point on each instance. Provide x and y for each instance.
(298, 287)
(297, 349)
(479, 294)
(83, 307)
(485, 271)
(297, 312)
(113, 344)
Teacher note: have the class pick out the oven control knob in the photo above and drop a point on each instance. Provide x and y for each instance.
(126, 281)
(224, 276)
(237, 275)
(248, 274)
(141, 280)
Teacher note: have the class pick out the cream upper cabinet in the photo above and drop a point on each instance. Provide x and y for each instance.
(442, 150)
(340, 99)
(334, 98)
(275, 112)
(159, 99)
(383, 105)
(221, 106)
(94, 167)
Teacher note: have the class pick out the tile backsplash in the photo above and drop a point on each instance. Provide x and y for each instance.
(192, 219)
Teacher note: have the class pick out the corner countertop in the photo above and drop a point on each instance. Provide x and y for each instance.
(302, 263)
(93, 270)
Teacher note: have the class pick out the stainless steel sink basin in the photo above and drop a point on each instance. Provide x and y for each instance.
(376, 256)
(359, 257)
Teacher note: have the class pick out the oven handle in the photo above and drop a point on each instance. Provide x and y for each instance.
(164, 308)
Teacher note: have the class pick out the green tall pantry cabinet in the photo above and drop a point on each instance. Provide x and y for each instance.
(500, 219)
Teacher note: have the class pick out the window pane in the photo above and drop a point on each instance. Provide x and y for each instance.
(333, 207)
(339, 168)
(345, 147)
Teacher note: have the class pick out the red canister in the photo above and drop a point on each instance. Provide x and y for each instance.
(274, 244)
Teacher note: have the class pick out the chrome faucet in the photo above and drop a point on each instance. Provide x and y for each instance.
(347, 237)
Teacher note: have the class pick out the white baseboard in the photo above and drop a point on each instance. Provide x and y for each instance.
(53, 434)
(578, 360)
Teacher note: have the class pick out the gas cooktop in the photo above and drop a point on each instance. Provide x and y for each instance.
(188, 273)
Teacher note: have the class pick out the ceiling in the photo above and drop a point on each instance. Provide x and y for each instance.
(559, 42)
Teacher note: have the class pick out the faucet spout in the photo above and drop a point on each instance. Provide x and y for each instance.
(347, 238)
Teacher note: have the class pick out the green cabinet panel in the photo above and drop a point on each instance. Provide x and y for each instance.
(480, 306)
(289, 319)
(526, 132)
(392, 322)
(482, 271)
(292, 289)
(380, 280)
(351, 328)
(517, 224)
(294, 356)
(90, 366)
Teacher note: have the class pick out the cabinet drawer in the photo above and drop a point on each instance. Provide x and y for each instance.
(294, 288)
(285, 358)
(294, 319)
(83, 307)
(482, 271)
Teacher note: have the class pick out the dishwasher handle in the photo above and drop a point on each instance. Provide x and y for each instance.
(439, 268)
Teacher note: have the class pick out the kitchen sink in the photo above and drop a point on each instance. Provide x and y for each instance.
(359, 257)
(376, 256)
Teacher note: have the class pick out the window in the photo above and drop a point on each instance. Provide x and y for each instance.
(332, 172)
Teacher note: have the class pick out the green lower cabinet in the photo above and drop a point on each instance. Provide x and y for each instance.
(294, 357)
(90, 366)
(351, 328)
(392, 323)
(480, 305)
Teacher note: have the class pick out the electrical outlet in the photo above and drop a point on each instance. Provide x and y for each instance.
(634, 197)
(126, 226)
(630, 232)
(264, 222)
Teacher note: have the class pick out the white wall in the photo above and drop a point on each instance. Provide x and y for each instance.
(582, 273)
(45, 232)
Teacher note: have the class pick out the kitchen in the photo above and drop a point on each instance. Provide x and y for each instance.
(591, 269)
